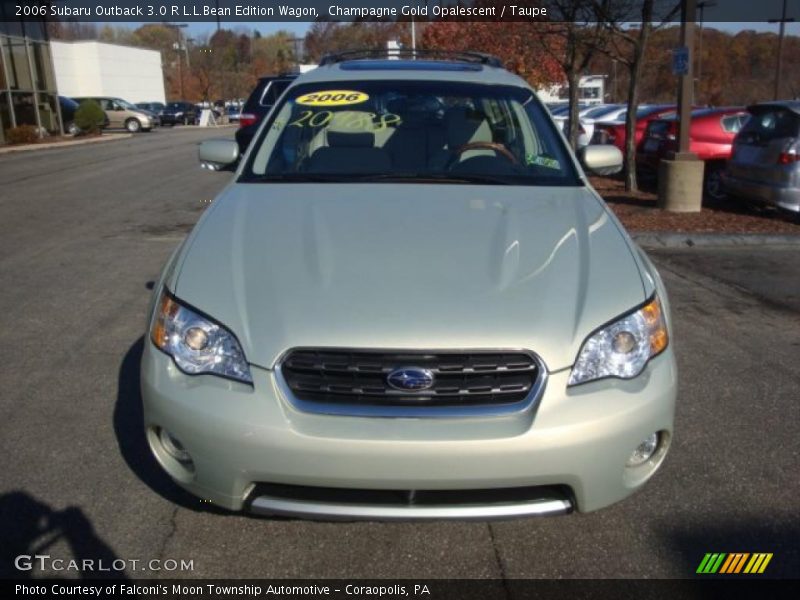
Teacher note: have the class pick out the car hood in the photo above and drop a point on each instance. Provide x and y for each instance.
(409, 266)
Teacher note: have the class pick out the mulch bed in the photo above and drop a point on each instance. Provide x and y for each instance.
(638, 212)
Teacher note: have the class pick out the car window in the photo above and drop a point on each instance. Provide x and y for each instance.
(772, 125)
(733, 123)
(658, 129)
(404, 130)
(274, 91)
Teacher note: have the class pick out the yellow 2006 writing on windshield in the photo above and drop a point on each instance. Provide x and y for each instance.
(332, 98)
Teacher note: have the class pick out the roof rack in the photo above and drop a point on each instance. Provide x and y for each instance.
(407, 53)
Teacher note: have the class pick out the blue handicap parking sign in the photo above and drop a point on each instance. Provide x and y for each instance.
(680, 61)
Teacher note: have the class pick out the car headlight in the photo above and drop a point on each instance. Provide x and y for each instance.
(622, 348)
(196, 343)
(178, 114)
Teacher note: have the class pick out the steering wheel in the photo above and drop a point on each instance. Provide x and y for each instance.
(499, 148)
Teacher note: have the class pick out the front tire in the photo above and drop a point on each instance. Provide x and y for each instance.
(712, 182)
(133, 125)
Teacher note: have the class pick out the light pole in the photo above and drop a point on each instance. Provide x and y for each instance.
(680, 175)
(783, 20)
(702, 5)
(685, 91)
(178, 27)
(615, 81)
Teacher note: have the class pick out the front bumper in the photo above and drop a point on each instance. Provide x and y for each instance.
(780, 196)
(239, 437)
(171, 119)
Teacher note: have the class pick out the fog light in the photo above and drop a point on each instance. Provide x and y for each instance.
(643, 451)
(174, 448)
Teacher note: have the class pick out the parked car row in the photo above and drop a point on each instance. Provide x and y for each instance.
(589, 115)
(142, 116)
(711, 135)
(764, 166)
(750, 153)
(186, 113)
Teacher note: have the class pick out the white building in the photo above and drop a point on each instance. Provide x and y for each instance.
(90, 68)
(591, 90)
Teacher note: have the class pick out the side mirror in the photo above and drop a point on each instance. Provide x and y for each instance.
(217, 154)
(601, 159)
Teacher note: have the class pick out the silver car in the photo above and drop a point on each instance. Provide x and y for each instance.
(409, 303)
(765, 161)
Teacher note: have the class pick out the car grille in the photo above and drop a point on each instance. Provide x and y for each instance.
(460, 379)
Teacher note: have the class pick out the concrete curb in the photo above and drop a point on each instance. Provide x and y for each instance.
(671, 239)
(95, 140)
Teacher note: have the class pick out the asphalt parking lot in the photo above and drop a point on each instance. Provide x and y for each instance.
(83, 234)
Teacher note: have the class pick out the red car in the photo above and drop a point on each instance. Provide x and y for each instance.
(711, 134)
(614, 133)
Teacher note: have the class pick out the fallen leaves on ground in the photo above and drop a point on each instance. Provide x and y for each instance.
(638, 211)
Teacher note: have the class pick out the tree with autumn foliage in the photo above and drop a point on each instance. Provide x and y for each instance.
(628, 45)
(326, 37)
(511, 42)
(542, 52)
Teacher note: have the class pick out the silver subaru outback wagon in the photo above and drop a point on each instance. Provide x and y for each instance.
(409, 303)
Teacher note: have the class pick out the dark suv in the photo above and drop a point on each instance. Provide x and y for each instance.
(261, 100)
(179, 112)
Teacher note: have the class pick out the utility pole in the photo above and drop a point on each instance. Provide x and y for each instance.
(783, 20)
(702, 5)
(178, 27)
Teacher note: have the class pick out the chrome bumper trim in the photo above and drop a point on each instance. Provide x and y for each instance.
(330, 511)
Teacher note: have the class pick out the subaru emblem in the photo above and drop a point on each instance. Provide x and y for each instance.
(410, 379)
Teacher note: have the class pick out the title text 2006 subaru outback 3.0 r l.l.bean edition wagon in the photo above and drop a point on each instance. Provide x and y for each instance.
(409, 303)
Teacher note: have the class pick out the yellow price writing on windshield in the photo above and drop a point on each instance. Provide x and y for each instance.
(332, 98)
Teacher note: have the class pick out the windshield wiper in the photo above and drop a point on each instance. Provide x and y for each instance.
(469, 178)
(472, 178)
(296, 177)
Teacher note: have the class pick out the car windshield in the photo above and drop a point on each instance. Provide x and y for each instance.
(127, 105)
(401, 130)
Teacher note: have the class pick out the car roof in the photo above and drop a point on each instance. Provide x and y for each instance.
(708, 112)
(410, 70)
(282, 76)
(792, 105)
